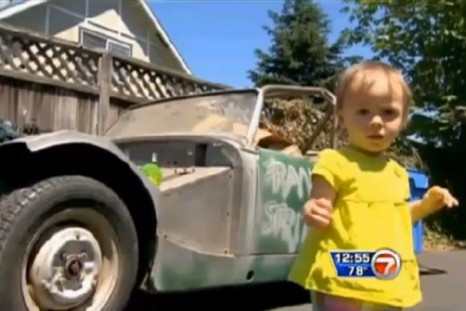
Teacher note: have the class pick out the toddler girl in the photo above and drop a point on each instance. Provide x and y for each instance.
(359, 198)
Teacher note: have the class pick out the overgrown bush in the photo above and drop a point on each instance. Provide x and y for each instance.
(296, 120)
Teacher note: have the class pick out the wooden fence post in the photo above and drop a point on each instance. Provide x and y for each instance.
(105, 84)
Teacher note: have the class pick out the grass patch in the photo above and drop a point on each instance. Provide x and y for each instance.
(436, 240)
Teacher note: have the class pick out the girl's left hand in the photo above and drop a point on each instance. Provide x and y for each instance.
(438, 197)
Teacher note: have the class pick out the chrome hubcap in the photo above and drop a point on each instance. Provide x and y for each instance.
(66, 269)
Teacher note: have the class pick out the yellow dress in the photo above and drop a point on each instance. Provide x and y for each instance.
(371, 212)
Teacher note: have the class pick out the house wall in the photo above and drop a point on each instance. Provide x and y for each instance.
(122, 21)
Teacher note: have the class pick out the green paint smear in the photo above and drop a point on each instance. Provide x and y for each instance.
(153, 172)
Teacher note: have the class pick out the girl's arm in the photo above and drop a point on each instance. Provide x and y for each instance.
(419, 210)
(317, 211)
(434, 200)
(322, 189)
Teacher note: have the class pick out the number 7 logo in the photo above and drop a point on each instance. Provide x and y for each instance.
(386, 264)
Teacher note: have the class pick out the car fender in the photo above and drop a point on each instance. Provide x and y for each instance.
(37, 143)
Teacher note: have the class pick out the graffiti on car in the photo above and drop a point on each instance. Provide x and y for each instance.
(285, 188)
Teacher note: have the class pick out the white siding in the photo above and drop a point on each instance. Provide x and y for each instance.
(120, 20)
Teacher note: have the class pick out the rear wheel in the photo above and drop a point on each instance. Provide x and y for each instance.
(66, 243)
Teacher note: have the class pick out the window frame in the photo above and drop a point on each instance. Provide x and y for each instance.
(108, 40)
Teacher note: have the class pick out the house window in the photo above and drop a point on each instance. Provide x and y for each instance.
(118, 49)
(98, 41)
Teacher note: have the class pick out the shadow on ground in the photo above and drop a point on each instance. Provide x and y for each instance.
(254, 298)
(423, 270)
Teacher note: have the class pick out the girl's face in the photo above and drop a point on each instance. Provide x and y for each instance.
(372, 111)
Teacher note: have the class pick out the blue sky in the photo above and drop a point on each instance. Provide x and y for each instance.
(217, 38)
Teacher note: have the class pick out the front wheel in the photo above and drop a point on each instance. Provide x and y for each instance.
(66, 243)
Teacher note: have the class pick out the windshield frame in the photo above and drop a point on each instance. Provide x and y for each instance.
(267, 91)
(278, 90)
(254, 91)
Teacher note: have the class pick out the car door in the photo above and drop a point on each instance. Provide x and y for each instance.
(283, 187)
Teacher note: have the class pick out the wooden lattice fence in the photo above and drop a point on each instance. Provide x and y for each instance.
(77, 78)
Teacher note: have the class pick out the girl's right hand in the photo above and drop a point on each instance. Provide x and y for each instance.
(318, 212)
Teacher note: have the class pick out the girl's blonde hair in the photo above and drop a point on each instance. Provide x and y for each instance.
(347, 77)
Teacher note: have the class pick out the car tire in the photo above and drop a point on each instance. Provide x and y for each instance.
(66, 242)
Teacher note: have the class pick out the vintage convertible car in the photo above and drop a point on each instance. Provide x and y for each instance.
(81, 225)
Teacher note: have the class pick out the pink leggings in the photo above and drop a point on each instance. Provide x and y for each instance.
(325, 302)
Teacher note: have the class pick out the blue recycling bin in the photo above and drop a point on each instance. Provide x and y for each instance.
(419, 184)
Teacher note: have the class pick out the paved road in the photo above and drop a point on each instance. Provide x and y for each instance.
(443, 284)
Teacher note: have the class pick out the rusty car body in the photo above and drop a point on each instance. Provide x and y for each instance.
(228, 209)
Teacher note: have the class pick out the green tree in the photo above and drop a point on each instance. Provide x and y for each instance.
(300, 53)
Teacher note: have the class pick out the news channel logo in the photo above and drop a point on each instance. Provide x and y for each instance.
(383, 264)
